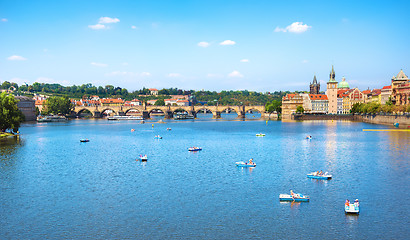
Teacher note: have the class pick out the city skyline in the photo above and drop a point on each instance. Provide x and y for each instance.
(212, 45)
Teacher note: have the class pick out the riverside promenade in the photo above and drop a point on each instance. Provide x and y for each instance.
(385, 119)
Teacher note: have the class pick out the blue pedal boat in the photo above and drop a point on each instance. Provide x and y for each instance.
(298, 198)
(352, 208)
(324, 176)
(194, 149)
(245, 164)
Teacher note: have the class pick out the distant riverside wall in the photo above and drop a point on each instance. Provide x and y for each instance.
(322, 117)
(402, 120)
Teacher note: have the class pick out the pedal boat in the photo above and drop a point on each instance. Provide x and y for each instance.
(194, 149)
(289, 198)
(324, 176)
(352, 209)
(245, 164)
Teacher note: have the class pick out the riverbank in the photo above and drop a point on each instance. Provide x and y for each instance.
(6, 135)
(402, 120)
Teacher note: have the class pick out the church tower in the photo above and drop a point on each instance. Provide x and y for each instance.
(314, 87)
(331, 92)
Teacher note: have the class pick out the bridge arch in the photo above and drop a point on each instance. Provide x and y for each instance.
(105, 110)
(84, 110)
(206, 109)
(132, 109)
(253, 113)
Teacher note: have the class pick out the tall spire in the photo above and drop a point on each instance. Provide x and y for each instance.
(332, 75)
(314, 80)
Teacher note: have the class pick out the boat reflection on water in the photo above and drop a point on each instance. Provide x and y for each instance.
(351, 218)
(293, 205)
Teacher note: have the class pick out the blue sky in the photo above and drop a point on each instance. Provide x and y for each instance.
(214, 45)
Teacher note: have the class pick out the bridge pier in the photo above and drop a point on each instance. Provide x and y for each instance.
(121, 113)
(241, 114)
(145, 115)
(97, 114)
(216, 114)
(169, 115)
(193, 113)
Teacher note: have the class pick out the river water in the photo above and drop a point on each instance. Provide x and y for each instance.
(54, 187)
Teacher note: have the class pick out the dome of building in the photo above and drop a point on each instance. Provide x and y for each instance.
(343, 84)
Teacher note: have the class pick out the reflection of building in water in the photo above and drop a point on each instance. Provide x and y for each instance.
(398, 148)
(331, 143)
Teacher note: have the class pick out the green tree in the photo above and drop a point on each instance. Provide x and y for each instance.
(160, 102)
(58, 105)
(356, 108)
(10, 116)
(275, 105)
(300, 109)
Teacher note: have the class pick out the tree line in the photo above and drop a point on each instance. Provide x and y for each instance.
(243, 97)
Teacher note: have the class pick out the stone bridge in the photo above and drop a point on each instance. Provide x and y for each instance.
(168, 111)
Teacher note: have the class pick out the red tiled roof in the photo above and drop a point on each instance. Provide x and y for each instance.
(376, 92)
(153, 89)
(366, 91)
(318, 97)
(39, 102)
(289, 96)
(387, 87)
(111, 100)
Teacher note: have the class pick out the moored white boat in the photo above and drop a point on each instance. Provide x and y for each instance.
(117, 117)
(260, 134)
(143, 158)
(51, 118)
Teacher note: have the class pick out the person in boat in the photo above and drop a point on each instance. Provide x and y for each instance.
(317, 173)
(251, 161)
(294, 195)
(347, 203)
(320, 173)
(356, 202)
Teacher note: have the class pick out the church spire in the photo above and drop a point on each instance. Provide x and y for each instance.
(332, 75)
(314, 80)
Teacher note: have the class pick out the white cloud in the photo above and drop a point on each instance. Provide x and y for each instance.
(98, 26)
(145, 74)
(296, 27)
(278, 29)
(99, 64)
(174, 75)
(4, 20)
(227, 42)
(305, 61)
(204, 44)
(134, 27)
(235, 74)
(16, 58)
(245, 60)
(108, 20)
